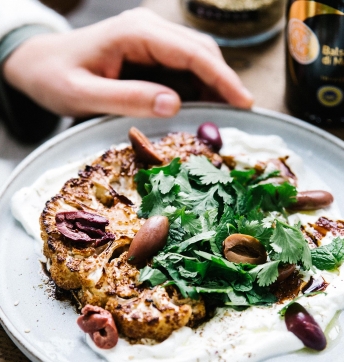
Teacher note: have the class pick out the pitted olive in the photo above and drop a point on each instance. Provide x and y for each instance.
(285, 271)
(304, 326)
(149, 239)
(209, 133)
(241, 248)
(143, 148)
(312, 200)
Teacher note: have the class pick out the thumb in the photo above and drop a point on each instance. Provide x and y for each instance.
(125, 97)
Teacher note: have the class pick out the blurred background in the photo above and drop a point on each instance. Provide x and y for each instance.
(84, 12)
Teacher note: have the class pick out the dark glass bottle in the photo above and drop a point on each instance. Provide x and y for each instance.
(315, 61)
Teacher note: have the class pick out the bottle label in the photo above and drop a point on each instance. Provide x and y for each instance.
(330, 96)
(315, 58)
(303, 43)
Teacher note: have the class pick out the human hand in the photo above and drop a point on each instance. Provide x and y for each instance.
(76, 73)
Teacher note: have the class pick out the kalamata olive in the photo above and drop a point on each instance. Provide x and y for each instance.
(284, 271)
(312, 200)
(149, 239)
(107, 337)
(143, 148)
(82, 226)
(99, 324)
(241, 248)
(92, 322)
(304, 326)
(209, 133)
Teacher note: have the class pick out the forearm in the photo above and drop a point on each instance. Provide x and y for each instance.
(21, 20)
(17, 13)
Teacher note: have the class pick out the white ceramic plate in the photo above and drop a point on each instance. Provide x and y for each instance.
(44, 328)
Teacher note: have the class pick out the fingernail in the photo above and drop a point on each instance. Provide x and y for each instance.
(249, 97)
(165, 104)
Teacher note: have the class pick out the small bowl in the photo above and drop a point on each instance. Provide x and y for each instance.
(236, 23)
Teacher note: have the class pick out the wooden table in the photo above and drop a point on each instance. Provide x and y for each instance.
(261, 69)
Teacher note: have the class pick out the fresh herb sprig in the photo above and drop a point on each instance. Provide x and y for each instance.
(205, 205)
(330, 256)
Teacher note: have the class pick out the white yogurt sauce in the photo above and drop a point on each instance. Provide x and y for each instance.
(251, 335)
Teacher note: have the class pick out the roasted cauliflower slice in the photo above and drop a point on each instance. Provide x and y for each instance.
(93, 195)
(151, 315)
(87, 229)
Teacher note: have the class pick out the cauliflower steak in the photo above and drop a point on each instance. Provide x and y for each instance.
(87, 229)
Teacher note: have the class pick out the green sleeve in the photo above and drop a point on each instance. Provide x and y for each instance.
(25, 120)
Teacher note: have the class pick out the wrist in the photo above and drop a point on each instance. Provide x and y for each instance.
(24, 119)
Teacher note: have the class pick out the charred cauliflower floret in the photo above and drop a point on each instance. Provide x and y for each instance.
(88, 227)
(183, 145)
(151, 315)
(67, 243)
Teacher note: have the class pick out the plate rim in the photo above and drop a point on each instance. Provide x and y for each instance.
(27, 348)
(185, 106)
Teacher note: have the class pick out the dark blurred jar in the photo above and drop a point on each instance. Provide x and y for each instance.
(63, 7)
(315, 61)
(236, 22)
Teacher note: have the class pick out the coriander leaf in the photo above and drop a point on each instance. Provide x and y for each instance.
(209, 219)
(306, 257)
(153, 276)
(175, 235)
(266, 273)
(243, 177)
(236, 298)
(185, 288)
(183, 181)
(273, 197)
(259, 295)
(259, 230)
(198, 201)
(164, 182)
(219, 261)
(289, 244)
(329, 257)
(156, 200)
(200, 166)
(189, 222)
(214, 247)
(243, 281)
(227, 226)
(162, 258)
(186, 273)
(142, 176)
(151, 204)
(186, 219)
(226, 197)
(243, 202)
(248, 227)
(172, 213)
(202, 236)
(204, 206)
(200, 267)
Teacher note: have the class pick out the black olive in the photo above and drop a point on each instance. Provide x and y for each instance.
(304, 326)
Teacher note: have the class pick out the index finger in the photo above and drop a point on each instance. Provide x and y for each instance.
(174, 50)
